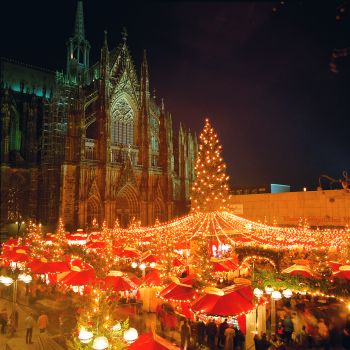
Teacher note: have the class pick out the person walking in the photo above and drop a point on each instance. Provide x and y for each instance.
(323, 334)
(3, 320)
(201, 332)
(221, 338)
(288, 329)
(211, 331)
(29, 323)
(43, 321)
(229, 338)
(346, 334)
(185, 335)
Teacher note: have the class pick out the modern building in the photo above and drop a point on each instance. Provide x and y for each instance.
(315, 208)
(270, 188)
(89, 143)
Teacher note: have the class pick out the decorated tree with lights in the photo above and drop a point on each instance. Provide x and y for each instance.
(97, 326)
(59, 243)
(107, 238)
(35, 236)
(210, 189)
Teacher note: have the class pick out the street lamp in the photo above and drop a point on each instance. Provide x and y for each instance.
(8, 281)
(100, 343)
(130, 335)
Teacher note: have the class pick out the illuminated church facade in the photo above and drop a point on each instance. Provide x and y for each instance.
(90, 143)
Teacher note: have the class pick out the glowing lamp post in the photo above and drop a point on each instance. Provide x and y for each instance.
(7, 281)
(258, 293)
(276, 295)
(287, 293)
(130, 335)
(100, 343)
(269, 290)
(85, 336)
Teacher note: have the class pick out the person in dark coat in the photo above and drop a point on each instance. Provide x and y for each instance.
(211, 331)
(346, 334)
(288, 329)
(201, 332)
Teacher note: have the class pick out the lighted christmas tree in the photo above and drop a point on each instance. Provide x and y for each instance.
(210, 189)
(59, 243)
(97, 326)
(107, 237)
(35, 236)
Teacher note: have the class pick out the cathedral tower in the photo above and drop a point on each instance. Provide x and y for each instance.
(78, 50)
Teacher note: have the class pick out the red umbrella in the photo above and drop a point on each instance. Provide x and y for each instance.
(149, 342)
(118, 282)
(178, 292)
(300, 270)
(344, 272)
(153, 278)
(225, 302)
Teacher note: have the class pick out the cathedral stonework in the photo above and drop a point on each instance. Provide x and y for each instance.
(90, 143)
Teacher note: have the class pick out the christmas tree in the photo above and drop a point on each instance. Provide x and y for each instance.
(59, 242)
(210, 189)
(35, 237)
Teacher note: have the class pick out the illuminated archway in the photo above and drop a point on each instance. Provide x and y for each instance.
(159, 210)
(93, 211)
(127, 205)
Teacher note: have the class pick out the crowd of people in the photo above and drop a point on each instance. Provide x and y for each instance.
(322, 336)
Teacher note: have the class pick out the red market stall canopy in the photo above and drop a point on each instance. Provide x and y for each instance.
(301, 270)
(150, 258)
(153, 278)
(149, 341)
(344, 272)
(43, 267)
(223, 265)
(231, 301)
(95, 245)
(18, 255)
(334, 265)
(77, 277)
(177, 262)
(79, 238)
(178, 292)
(127, 253)
(119, 282)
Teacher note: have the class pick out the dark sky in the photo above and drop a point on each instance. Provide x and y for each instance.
(262, 77)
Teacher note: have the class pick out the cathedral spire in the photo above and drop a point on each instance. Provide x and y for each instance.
(78, 50)
(79, 31)
(144, 81)
(105, 40)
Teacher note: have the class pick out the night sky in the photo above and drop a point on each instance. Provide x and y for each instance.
(263, 77)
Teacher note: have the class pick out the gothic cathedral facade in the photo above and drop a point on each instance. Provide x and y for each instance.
(90, 143)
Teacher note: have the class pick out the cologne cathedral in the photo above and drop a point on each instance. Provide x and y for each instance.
(90, 144)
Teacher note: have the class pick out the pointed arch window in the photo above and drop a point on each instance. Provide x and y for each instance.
(122, 125)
